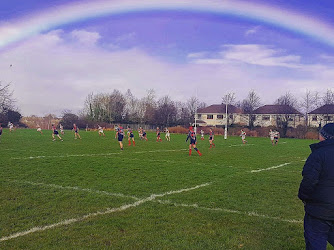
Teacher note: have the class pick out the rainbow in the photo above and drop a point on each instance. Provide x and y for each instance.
(28, 26)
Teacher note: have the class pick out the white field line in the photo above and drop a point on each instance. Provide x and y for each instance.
(87, 155)
(75, 188)
(274, 167)
(152, 197)
(253, 214)
(241, 145)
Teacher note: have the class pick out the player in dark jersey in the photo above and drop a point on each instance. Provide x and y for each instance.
(193, 141)
(55, 132)
(211, 138)
(131, 137)
(76, 131)
(0, 131)
(120, 136)
(144, 134)
(158, 134)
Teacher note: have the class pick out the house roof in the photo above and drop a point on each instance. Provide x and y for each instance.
(326, 109)
(276, 109)
(220, 109)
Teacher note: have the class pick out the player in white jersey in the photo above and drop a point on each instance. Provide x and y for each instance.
(202, 135)
(167, 134)
(272, 136)
(100, 129)
(61, 128)
(243, 136)
(39, 129)
(11, 126)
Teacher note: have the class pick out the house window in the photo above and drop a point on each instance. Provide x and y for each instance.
(209, 116)
(266, 117)
(220, 116)
(328, 118)
(314, 118)
(199, 116)
(231, 117)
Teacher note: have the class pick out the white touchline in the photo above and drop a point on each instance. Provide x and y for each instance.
(107, 211)
(87, 155)
(230, 211)
(74, 188)
(265, 169)
(240, 145)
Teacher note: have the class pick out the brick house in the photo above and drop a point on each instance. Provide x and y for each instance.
(277, 116)
(321, 116)
(215, 115)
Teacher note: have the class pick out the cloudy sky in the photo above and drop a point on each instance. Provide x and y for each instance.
(62, 50)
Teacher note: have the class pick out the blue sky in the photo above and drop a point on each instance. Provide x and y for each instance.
(176, 52)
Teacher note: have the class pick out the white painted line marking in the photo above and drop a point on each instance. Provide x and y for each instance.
(241, 145)
(88, 155)
(75, 188)
(254, 214)
(107, 211)
(274, 167)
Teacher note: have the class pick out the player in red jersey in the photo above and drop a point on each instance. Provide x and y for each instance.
(131, 136)
(158, 134)
(76, 131)
(211, 138)
(193, 141)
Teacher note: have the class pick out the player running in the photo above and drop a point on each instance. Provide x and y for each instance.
(120, 135)
(140, 133)
(167, 136)
(202, 135)
(55, 132)
(0, 131)
(61, 129)
(272, 136)
(131, 137)
(276, 137)
(39, 129)
(100, 129)
(144, 135)
(158, 134)
(211, 138)
(11, 126)
(192, 137)
(76, 131)
(243, 136)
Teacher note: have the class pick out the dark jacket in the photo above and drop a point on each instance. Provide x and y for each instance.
(317, 187)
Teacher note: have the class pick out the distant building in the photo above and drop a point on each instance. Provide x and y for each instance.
(321, 116)
(215, 116)
(277, 115)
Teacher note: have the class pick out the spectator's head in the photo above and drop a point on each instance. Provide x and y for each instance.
(327, 132)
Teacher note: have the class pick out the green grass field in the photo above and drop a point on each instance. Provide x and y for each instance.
(87, 194)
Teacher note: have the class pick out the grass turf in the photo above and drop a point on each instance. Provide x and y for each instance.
(44, 182)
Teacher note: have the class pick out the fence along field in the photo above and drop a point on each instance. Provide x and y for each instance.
(88, 194)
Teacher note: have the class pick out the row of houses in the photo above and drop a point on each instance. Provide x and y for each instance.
(265, 116)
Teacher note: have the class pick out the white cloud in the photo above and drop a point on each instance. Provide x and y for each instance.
(252, 31)
(86, 37)
(251, 54)
(51, 73)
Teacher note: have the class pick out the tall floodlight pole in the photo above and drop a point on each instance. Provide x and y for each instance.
(225, 134)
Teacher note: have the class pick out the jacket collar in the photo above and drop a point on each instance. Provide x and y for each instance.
(325, 143)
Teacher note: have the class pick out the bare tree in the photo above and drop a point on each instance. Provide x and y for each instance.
(307, 104)
(328, 97)
(6, 97)
(229, 98)
(287, 99)
(249, 104)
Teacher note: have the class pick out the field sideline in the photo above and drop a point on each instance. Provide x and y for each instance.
(88, 194)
